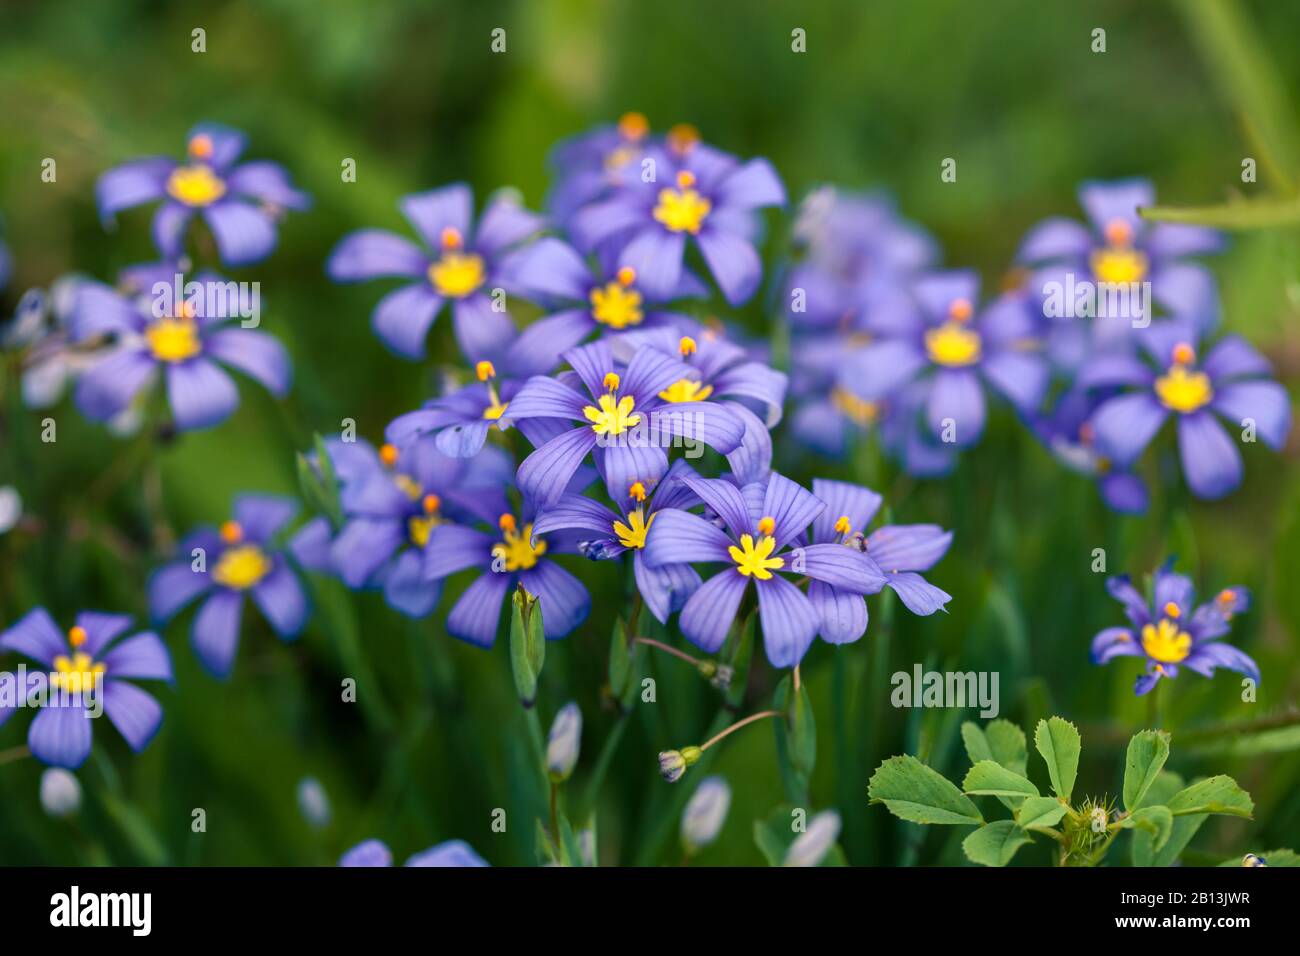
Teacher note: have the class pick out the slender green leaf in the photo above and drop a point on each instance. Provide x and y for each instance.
(1057, 741)
(1235, 215)
(915, 792)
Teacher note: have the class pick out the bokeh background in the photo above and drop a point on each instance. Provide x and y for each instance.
(412, 92)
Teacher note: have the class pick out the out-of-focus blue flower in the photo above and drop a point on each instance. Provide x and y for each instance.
(460, 421)
(181, 341)
(564, 742)
(87, 668)
(241, 204)
(223, 565)
(375, 853)
(458, 262)
(1070, 437)
(60, 792)
(1231, 381)
(810, 847)
(1171, 632)
(313, 802)
(705, 813)
(697, 192)
(595, 163)
(6, 261)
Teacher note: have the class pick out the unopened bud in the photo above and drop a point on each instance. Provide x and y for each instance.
(673, 763)
(564, 742)
(60, 792)
(810, 847)
(705, 812)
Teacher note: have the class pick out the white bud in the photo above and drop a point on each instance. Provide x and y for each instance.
(706, 812)
(564, 742)
(60, 792)
(11, 507)
(810, 847)
(313, 802)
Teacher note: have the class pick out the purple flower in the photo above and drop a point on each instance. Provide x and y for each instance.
(88, 668)
(240, 204)
(757, 522)
(898, 552)
(1170, 633)
(627, 422)
(710, 196)
(1229, 382)
(1119, 247)
(606, 299)
(183, 342)
(393, 502)
(6, 263)
(1069, 435)
(606, 534)
(590, 165)
(240, 558)
(375, 853)
(954, 353)
(458, 262)
(460, 421)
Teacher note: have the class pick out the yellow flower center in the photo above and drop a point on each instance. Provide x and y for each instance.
(859, 411)
(494, 411)
(1165, 643)
(173, 340)
(419, 527)
(1182, 390)
(457, 274)
(616, 305)
(241, 567)
(753, 559)
(517, 549)
(685, 390)
(682, 209)
(410, 487)
(613, 417)
(632, 534)
(195, 185)
(77, 673)
(1119, 264)
(953, 344)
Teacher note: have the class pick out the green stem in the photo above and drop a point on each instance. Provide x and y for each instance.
(13, 754)
(603, 762)
(663, 823)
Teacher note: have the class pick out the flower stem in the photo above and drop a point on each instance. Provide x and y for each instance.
(555, 813)
(738, 724)
(665, 647)
(13, 753)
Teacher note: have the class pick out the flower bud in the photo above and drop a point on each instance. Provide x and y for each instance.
(673, 763)
(810, 847)
(564, 742)
(1250, 859)
(11, 507)
(705, 813)
(60, 792)
(313, 803)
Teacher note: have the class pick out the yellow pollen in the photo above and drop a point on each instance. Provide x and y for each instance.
(507, 523)
(1226, 596)
(1171, 610)
(201, 146)
(1165, 643)
(1118, 233)
(76, 674)
(232, 532)
(518, 551)
(457, 274)
(173, 340)
(1184, 354)
(615, 305)
(431, 503)
(494, 411)
(681, 210)
(766, 525)
(485, 370)
(953, 345)
(843, 525)
(1119, 265)
(613, 417)
(687, 346)
(636, 491)
(686, 390)
(195, 185)
(682, 137)
(388, 454)
(633, 125)
(612, 381)
(632, 534)
(685, 179)
(241, 567)
(409, 486)
(859, 411)
(450, 238)
(753, 559)
(77, 636)
(960, 310)
(418, 529)
(626, 275)
(1184, 391)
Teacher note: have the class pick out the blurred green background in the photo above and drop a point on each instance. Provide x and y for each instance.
(412, 92)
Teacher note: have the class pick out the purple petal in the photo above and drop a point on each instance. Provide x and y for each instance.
(678, 537)
(908, 547)
(709, 613)
(1264, 403)
(106, 389)
(1234, 357)
(544, 475)
(1125, 425)
(656, 255)
(1124, 493)
(756, 381)
(1211, 461)
(168, 228)
(956, 398)
(216, 631)
(135, 713)
(549, 268)
(281, 599)
(261, 516)
(574, 512)
(937, 292)
(244, 233)
(750, 186)
(565, 603)
(1187, 290)
(451, 853)
(543, 397)
(402, 318)
(131, 184)
(855, 502)
(726, 501)
(1114, 642)
(173, 586)
(268, 182)
(99, 310)
(1135, 606)
(370, 853)
(1170, 587)
(650, 372)
(227, 143)
(842, 616)
(877, 370)
(664, 589)
(538, 348)
(1206, 657)
(503, 224)
(407, 590)
(917, 594)
(200, 394)
(143, 656)
(839, 566)
(734, 263)
(37, 636)
(1056, 238)
(1167, 240)
(599, 222)
(629, 462)
(1112, 369)
(375, 253)
(363, 546)
(254, 353)
(447, 208)
(60, 736)
(791, 506)
(1106, 202)
(453, 548)
(751, 460)
(101, 629)
(481, 331)
(789, 621)
(475, 616)
(709, 422)
(1020, 376)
